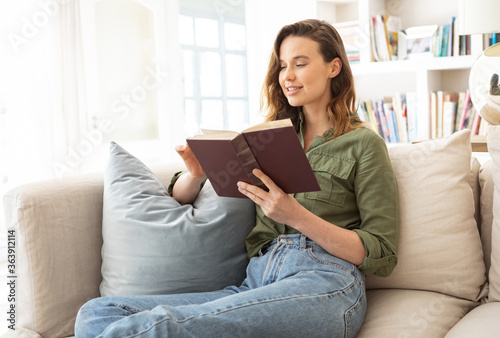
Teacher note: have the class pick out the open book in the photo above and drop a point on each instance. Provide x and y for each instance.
(273, 147)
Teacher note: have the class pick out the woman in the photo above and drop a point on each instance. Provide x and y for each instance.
(309, 252)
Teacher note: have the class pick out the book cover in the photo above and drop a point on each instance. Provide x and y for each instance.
(393, 25)
(228, 157)
(460, 108)
(399, 104)
(464, 115)
(450, 104)
(413, 117)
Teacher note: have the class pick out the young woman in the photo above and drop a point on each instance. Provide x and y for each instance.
(310, 251)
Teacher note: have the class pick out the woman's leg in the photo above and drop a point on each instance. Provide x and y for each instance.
(296, 289)
(97, 314)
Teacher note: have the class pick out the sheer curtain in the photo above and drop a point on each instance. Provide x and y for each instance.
(46, 102)
(69, 108)
(42, 92)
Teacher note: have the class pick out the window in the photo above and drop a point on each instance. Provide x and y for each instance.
(213, 46)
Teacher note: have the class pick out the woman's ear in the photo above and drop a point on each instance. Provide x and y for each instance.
(336, 67)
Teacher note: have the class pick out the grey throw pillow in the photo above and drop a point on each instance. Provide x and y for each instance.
(154, 245)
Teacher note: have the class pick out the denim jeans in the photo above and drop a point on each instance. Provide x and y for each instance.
(295, 289)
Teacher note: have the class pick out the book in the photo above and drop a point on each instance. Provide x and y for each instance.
(465, 109)
(350, 33)
(393, 25)
(450, 106)
(228, 157)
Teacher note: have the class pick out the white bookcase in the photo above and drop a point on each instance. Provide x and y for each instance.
(378, 79)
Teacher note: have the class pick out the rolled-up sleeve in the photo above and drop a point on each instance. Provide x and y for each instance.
(377, 198)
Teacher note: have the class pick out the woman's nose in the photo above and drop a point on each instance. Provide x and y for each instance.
(289, 74)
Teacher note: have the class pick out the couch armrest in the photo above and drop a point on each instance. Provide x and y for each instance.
(57, 224)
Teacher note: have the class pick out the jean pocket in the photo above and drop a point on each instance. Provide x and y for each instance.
(321, 256)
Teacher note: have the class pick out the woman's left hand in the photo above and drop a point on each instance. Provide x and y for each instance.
(275, 203)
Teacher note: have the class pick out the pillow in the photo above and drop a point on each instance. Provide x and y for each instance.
(494, 150)
(154, 245)
(439, 244)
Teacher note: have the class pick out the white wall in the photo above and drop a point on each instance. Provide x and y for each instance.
(264, 19)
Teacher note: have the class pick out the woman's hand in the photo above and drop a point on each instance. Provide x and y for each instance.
(275, 203)
(187, 186)
(192, 164)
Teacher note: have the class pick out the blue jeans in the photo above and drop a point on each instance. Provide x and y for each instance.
(295, 289)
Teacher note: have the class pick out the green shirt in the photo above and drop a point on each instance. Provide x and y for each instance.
(358, 192)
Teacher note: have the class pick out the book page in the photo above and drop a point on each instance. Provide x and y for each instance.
(216, 134)
(270, 125)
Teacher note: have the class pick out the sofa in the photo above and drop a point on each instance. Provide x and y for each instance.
(446, 282)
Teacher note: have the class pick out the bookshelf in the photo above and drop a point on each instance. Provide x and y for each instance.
(421, 76)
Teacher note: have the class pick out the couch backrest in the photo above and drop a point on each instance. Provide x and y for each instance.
(440, 247)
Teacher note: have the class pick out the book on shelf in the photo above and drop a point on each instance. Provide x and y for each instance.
(398, 120)
(351, 36)
(228, 157)
(437, 40)
(412, 116)
(443, 110)
(387, 116)
(456, 113)
(384, 37)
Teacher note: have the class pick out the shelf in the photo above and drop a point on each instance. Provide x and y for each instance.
(402, 66)
(417, 76)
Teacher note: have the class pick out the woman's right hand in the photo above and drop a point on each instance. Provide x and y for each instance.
(192, 164)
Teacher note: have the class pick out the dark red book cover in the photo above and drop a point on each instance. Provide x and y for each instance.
(229, 157)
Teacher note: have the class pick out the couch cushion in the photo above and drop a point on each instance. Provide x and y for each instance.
(494, 275)
(154, 245)
(410, 313)
(439, 245)
(483, 319)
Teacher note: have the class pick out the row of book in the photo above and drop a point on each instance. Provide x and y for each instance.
(390, 117)
(398, 120)
(491, 39)
(454, 111)
(447, 41)
(390, 42)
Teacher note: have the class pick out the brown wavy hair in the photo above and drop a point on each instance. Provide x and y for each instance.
(342, 108)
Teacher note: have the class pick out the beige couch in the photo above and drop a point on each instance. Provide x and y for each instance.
(439, 288)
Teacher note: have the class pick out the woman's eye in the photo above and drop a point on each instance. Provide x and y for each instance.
(301, 64)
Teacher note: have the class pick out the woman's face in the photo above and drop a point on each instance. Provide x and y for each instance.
(304, 76)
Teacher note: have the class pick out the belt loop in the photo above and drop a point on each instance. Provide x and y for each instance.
(303, 242)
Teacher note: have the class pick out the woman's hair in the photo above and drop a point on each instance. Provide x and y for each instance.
(493, 82)
(343, 104)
